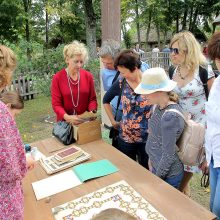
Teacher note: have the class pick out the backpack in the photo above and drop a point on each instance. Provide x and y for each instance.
(203, 74)
(190, 144)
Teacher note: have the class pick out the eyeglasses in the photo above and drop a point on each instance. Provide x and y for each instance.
(174, 50)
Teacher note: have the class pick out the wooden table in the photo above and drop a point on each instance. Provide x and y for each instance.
(167, 200)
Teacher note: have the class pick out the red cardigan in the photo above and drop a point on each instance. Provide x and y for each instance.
(61, 96)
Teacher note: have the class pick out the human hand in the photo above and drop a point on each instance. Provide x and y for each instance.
(204, 167)
(75, 120)
(30, 162)
(116, 124)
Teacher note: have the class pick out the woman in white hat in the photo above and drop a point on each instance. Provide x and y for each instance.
(164, 127)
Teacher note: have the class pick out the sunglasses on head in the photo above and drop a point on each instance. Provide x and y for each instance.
(174, 50)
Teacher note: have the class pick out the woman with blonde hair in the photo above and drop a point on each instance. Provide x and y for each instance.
(13, 164)
(72, 88)
(165, 125)
(190, 71)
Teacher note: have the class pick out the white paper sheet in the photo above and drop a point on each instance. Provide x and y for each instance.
(55, 184)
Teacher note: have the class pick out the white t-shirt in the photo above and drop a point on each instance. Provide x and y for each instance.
(212, 140)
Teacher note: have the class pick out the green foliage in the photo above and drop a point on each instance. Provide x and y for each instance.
(127, 39)
(9, 20)
(45, 66)
(93, 66)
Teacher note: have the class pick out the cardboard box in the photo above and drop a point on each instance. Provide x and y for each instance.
(87, 132)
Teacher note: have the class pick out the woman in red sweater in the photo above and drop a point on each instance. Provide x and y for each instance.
(72, 88)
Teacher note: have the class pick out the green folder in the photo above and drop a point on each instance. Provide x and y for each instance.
(94, 169)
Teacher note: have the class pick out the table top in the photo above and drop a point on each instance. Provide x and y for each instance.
(167, 200)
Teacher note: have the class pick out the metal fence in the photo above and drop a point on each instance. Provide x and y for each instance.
(157, 59)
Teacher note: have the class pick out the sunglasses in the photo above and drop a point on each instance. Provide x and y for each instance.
(174, 50)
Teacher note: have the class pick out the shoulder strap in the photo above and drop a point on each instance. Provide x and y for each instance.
(116, 77)
(178, 112)
(171, 71)
(119, 97)
(203, 74)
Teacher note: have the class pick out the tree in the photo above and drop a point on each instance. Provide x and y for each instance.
(27, 6)
(10, 20)
(90, 21)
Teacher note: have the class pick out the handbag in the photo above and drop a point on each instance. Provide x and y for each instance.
(114, 133)
(63, 131)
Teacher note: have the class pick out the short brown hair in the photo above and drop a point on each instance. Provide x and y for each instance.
(7, 65)
(128, 59)
(214, 46)
(12, 98)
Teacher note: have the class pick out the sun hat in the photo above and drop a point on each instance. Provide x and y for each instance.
(154, 80)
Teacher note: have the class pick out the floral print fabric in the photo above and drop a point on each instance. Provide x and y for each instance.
(12, 167)
(136, 111)
(192, 100)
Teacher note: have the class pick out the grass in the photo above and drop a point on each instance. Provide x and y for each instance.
(32, 126)
(31, 122)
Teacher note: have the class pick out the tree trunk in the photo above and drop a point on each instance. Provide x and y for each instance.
(27, 4)
(47, 29)
(185, 15)
(177, 23)
(61, 23)
(148, 27)
(137, 22)
(158, 34)
(90, 21)
(165, 37)
(195, 19)
(190, 18)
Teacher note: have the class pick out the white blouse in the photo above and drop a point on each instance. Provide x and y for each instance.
(212, 143)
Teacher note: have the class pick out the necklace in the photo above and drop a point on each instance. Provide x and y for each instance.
(71, 80)
(179, 73)
(75, 105)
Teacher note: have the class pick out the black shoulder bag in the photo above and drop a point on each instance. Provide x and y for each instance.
(114, 133)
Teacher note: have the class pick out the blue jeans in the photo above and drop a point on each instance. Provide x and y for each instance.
(215, 189)
(135, 151)
(175, 180)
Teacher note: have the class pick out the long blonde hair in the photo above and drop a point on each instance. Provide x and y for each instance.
(7, 65)
(193, 53)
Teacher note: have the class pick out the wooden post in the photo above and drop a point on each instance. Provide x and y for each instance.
(111, 29)
(111, 20)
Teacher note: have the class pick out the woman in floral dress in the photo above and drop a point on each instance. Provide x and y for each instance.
(135, 107)
(187, 56)
(13, 164)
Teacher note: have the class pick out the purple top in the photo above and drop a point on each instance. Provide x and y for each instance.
(12, 167)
